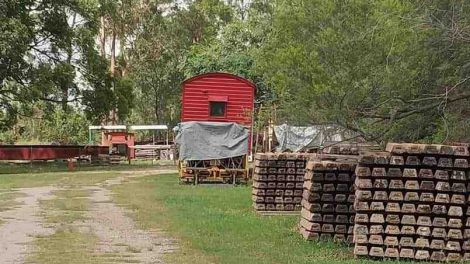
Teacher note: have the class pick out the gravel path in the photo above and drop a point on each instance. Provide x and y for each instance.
(117, 232)
(22, 224)
(119, 235)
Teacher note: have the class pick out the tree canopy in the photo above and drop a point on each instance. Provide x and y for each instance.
(387, 69)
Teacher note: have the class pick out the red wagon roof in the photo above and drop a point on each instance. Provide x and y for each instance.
(219, 74)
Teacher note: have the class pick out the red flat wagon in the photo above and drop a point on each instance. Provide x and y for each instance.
(49, 152)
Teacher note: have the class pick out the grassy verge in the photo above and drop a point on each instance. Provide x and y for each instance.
(9, 181)
(57, 166)
(65, 246)
(7, 200)
(22, 176)
(72, 247)
(217, 224)
(69, 206)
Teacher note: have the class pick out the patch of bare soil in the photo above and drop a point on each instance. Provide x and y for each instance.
(22, 224)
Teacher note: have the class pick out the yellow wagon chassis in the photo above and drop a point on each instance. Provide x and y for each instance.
(231, 170)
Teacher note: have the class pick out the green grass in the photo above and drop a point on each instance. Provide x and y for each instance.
(67, 207)
(66, 246)
(57, 166)
(217, 224)
(56, 173)
(7, 200)
(64, 178)
(9, 181)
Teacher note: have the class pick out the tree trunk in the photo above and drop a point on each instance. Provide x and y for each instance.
(122, 43)
(102, 44)
(102, 37)
(112, 69)
(65, 87)
(157, 112)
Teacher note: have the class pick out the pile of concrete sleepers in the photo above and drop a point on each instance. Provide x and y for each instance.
(278, 181)
(328, 197)
(412, 203)
(327, 204)
(408, 202)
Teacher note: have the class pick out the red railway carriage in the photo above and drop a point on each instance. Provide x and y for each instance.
(218, 97)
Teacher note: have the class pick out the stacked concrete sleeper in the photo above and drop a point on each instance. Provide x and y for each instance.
(327, 204)
(278, 181)
(412, 203)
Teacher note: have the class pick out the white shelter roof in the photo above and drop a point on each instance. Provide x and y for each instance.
(149, 127)
(106, 127)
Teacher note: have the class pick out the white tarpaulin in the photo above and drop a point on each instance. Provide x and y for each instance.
(296, 138)
(211, 140)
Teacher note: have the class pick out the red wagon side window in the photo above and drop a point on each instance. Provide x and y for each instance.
(217, 109)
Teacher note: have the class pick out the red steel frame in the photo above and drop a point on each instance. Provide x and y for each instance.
(49, 152)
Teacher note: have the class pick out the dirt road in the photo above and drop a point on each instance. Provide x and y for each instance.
(117, 233)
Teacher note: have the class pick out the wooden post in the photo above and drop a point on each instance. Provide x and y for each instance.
(79, 157)
(264, 139)
(174, 150)
(270, 134)
(256, 144)
(167, 136)
(153, 143)
(251, 153)
(90, 141)
(31, 156)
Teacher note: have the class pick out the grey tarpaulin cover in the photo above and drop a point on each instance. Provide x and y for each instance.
(211, 140)
(296, 138)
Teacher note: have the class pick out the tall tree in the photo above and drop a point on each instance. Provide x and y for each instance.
(450, 73)
(362, 64)
(48, 53)
(157, 59)
(235, 46)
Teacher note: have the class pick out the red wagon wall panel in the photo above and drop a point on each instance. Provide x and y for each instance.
(237, 93)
